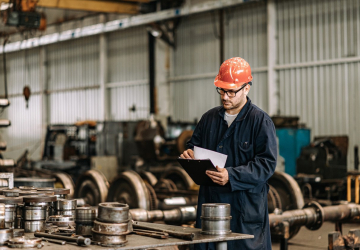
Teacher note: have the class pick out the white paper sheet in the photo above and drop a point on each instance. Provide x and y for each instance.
(216, 158)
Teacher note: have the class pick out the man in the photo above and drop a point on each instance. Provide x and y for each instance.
(246, 134)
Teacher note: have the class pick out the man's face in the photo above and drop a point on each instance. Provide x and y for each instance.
(237, 101)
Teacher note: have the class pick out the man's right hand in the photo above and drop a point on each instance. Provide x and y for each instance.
(188, 154)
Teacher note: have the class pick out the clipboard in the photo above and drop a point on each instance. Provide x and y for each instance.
(196, 169)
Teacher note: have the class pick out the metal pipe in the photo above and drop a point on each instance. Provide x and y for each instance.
(79, 240)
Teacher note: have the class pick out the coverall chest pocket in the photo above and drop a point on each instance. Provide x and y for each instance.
(253, 207)
(246, 152)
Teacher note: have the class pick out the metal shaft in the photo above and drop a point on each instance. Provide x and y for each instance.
(79, 240)
(60, 242)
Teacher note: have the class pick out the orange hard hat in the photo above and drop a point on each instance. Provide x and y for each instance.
(233, 73)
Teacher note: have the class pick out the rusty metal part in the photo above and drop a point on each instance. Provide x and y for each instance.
(19, 232)
(153, 234)
(10, 200)
(179, 177)
(148, 177)
(50, 228)
(60, 242)
(2, 215)
(175, 216)
(342, 242)
(84, 229)
(151, 226)
(113, 212)
(57, 191)
(10, 215)
(215, 218)
(64, 204)
(24, 242)
(86, 215)
(42, 198)
(32, 213)
(61, 220)
(129, 188)
(27, 188)
(5, 235)
(165, 184)
(68, 230)
(34, 181)
(109, 240)
(274, 200)
(8, 178)
(92, 186)
(64, 181)
(81, 241)
(33, 226)
(65, 212)
(28, 193)
(111, 228)
(154, 202)
(14, 192)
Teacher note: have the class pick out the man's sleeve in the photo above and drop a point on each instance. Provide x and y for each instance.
(196, 137)
(262, 167)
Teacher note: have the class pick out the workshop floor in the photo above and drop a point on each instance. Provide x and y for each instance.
(316, 240)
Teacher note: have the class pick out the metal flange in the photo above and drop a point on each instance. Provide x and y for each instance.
(319, 215)
(61, 220)
(24, 242)
(64, 181)
(37, 198)
(111, 228)
(10, 200)
(113, 212)
(109, 240)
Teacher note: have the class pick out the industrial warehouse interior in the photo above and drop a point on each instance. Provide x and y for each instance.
(180, 125)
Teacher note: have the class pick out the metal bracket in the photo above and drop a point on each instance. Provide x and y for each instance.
(9, 177)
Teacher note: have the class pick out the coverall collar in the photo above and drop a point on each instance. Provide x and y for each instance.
(243, 112)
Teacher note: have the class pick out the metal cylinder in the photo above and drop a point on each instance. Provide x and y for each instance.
(113, 212)
(10, 215)
(109, 240)
(31, 213)
(5, 235)
(111, 228)
(33, 226)
(215, 218)
(86, 215)
(65, 212)
(83, 229)
(2, 215)
(61, 220)
(19, 232)
(36, 182)
(62, 204)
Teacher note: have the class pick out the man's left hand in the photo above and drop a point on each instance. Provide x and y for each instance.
(221, 177)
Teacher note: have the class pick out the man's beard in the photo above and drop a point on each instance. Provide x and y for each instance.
(231, 107)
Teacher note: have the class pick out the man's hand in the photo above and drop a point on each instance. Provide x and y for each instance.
(188, 154)
(221, 177)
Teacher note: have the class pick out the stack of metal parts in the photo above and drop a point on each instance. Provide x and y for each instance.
(35, 212)
(65, 221)
(85, 217)
(65, 207)
(215, 218)
(112, 224)
(9, 206)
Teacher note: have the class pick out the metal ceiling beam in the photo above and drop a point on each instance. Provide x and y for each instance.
(93, 5)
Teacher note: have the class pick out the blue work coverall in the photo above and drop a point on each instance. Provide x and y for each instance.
(250, 144)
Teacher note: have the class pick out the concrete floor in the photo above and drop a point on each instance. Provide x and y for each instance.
(308, 240)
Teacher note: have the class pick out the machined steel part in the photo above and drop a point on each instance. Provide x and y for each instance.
(60, 193)
(50, 228)
(86, 215)
(215, 218)
(81, 241)
(24, 242)
(64, 181)
(28, 193)
(274, 200)
(81, 202)
(71, 213)
(34, 181)
(10, 215)
(84, 229)
(112, 228)
(61, 220)
(32, 213)
(148, 177)
(63, 204)
(113, 212)
(13, 192)
(10, 200)
(109, 240)
(27, 188)
(129, 188)
(37, 198)
(93, 187)
(2, 215)
(33, 226)
(5, 235)
(19, 232)
(179, 177)
(7, 178)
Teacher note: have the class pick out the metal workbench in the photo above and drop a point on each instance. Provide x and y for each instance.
(143, 242)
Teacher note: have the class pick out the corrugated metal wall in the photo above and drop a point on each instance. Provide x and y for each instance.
(324, 96)
(128, 69)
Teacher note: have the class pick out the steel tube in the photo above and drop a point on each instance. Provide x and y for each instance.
(79, 240)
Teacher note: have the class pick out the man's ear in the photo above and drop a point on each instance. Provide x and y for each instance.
(247, 89)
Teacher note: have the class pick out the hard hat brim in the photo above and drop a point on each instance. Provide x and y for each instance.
(229, 85)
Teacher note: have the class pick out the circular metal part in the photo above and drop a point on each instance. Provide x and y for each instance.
(148, 177)
(63, 204)
(10, 215)
(57, 191)
(11, 192)
(109, 240)
(69, 230)
(84, 229)
(10, 200)
(86, 215)
(61, 220)
(274, 200)
(42, 198)
(113, 212)
(19, 232)
(165, 184)
(31, 213)
(111, 228)
(64, 181)
(129, 188)
(71, 213)
(93, 187)
(179, 176)
(213, 210)
(319, 215)
(5, 235)
(27, 188)
(36, 182)
(215, 218)
(33, 226)
(182, 139)
(24, 242)
(290, 194)
(28, 193)
(154, 202)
